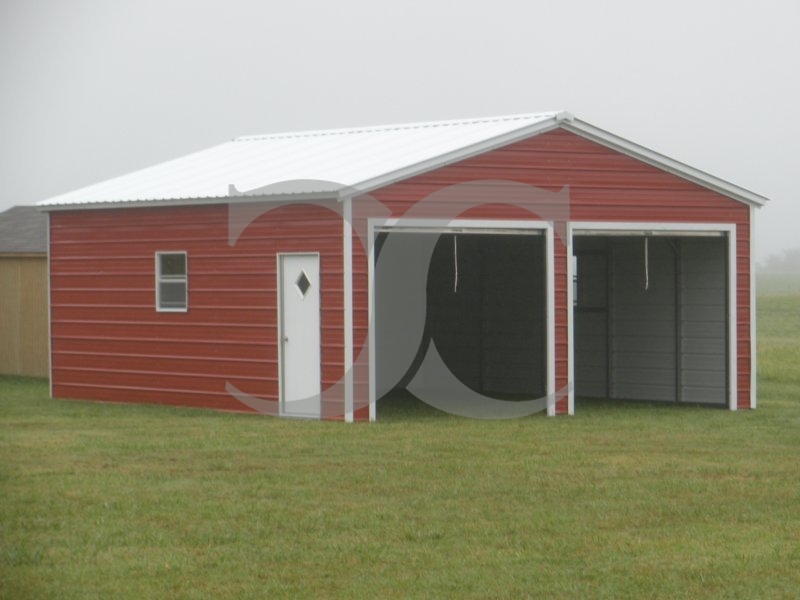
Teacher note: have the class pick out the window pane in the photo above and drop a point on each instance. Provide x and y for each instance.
(172, 294)
(173, 264)
(303, 283)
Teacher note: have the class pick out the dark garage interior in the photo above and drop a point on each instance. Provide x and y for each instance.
(651, 318)
(485, 312)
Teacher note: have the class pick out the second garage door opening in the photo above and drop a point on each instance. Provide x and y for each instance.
(651, 318)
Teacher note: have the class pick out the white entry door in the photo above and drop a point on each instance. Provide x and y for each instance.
(299, 335)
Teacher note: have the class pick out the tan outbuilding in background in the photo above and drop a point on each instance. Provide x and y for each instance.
(23, 292)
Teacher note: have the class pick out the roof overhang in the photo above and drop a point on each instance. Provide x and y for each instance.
(239, 198)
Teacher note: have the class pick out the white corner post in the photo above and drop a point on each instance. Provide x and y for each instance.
(733, 320)
(49, 310)
(347, 257)
(551, 316)
(753, 346)
(373, 406)
(570, 323)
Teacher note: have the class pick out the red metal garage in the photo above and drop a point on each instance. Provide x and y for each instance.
(246, 277)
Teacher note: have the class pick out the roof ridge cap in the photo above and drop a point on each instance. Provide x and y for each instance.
(393, 127)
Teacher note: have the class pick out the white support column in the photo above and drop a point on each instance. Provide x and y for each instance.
(551, 316)
(570, 322)
(753, 347)
(49, 311)
(373, 406)
(733, 321)
(347, 257)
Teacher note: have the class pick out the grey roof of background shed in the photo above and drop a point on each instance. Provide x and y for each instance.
(23, 230)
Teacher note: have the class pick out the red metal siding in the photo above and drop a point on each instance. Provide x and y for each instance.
(743, 299)
(561, 329)
(108, 341)
(604, 185)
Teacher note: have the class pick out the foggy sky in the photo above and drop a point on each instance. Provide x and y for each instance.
(92, 90)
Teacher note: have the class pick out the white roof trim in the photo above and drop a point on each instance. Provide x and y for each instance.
(651, 157)
(237, 198)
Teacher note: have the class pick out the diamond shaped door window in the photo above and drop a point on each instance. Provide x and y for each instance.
(302, 283)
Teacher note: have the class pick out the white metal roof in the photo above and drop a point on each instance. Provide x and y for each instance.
(334, 162)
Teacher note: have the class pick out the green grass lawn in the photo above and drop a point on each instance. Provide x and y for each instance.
(125, 501)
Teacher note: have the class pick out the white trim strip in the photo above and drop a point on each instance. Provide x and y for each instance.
(373, 406)
(651, 233)
(570, 322)
(663, 228)
(551, 317)
(733, 319)
(459, 230)
(238, 198)
(279, 339)
(458, 225)
(347, 257)
(49, 312)
(753, 314)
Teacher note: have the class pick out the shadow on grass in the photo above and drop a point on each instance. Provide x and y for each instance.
(606, 404)
(402, 405)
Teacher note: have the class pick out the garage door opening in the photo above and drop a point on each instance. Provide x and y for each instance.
(651, 317)
(485, 313)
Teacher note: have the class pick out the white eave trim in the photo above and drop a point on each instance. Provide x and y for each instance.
(651, 157)
(238, 199)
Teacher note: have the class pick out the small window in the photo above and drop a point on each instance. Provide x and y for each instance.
(172, 281)
(303, 283)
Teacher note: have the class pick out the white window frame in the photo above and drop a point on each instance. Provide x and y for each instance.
(171, 279)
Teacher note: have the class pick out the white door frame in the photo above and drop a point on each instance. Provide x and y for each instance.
(280, 256)
(481, 226)
(576, 227)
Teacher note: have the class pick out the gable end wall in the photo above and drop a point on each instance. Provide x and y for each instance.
(604, 185)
